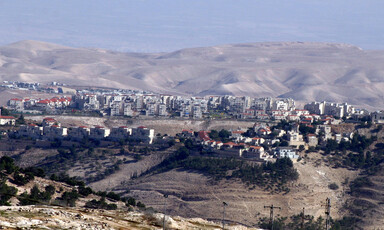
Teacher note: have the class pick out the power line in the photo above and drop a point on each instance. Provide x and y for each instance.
(327, 206)
(224, 204)
(165, 209)
(271, 214)
(303, 218)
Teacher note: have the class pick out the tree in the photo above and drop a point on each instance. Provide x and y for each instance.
(224, 134)
(70, 198)
(188, 144)
(8, 164)
(131, 201)
(20, 120)
(4, 111)
(333, 186)
(6, 193)
(140, 205)
(214, 134)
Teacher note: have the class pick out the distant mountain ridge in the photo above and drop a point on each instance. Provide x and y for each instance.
(305, 71)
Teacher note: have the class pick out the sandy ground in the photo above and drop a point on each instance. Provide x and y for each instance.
(163, 126)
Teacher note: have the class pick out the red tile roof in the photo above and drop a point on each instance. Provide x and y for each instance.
(7, 117)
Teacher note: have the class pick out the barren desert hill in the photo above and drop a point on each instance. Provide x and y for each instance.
(302, 70)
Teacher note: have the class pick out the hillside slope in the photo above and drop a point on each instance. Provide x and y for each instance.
(194, 194)
(303, 71)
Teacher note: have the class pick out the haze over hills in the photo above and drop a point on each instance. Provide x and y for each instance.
(305, 71)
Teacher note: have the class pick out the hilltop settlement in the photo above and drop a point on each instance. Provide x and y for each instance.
(276, 138)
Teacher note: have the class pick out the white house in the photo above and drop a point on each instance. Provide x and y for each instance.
(99, 132)
(378, 117)
(120, 133)
(54, 132)
(33, 131)
(143, 134)
(289, 152)
(7, 120)
(79, 133)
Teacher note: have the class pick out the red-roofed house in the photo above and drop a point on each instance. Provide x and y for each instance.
(263, 131)
(258, 140)
(256, 149)
(230, 144)
(203, 135)
(49, 121)
(187, 133)
(16, 103)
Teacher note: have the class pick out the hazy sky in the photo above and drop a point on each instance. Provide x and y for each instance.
(166, 25)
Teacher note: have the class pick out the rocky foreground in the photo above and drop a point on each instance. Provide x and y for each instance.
(50, 217)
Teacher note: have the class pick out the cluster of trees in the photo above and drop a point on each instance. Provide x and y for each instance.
(358, 143)
(304, 129)
(68, 198)
(223, 135)
(85, 191)
(68, 156)
(65, 178)
(278, 173)
(353, 154)
(268, 174)
(6, 192)
(173, 160)
(36, 196)
(100, 204)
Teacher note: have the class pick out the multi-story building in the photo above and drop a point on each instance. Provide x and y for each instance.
(378, 117)
(54, 132)
(79, 133)
(196, 112)
(162, 110)
(143, 134)
(120, 133)
(99, 133)
(288, 152)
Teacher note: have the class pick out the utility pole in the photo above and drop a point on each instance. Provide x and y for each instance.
(327, 213)
(303, 218)
(165, 209)
(271, 214)
(224, 204)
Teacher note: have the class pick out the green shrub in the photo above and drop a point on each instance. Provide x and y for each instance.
(6, 193)
(85, 191)
(100, 204)
(333, 186)
(22, 180)
(8, 164)
(70, 198)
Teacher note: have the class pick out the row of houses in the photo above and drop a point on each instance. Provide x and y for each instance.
(19, 104)
(247, 147)
(51, 130)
